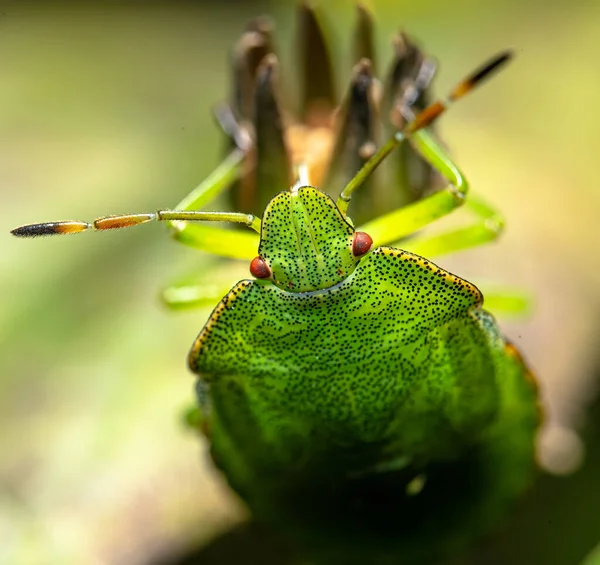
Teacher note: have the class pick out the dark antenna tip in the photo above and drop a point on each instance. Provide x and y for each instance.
(34, 230)
(493, 65)
(50, 228)
(480, 74)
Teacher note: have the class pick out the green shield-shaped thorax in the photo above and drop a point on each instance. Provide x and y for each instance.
(305, 241)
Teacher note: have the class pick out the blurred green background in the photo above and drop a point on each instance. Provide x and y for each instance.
(105, 108)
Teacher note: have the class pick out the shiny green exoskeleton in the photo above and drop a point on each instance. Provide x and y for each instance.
(357, 396)
(333, 386)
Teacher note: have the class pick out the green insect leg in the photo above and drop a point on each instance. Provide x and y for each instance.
(192, 418)
(218, 241)
(505, 300)
(407, 220)
(221, 178)
(184, 296)
(191, 293)
(196, 417)
(487, 227)
(391, 228)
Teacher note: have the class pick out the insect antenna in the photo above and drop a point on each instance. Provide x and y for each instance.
(423, 119)
(129, 220)
(435, 110)
(220, 178)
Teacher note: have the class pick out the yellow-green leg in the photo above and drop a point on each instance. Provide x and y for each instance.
(488, 226)
(190, 293)
(506, 301)
(391, 228)
(205, 287)
(405, 221)
(183, 296)
(226, 243)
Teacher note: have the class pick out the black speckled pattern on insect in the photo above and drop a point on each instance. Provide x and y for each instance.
(390, 361)
(304, 252)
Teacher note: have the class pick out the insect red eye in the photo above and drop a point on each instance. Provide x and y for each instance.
(361, 243)
(259, 268)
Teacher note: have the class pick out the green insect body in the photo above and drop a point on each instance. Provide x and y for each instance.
(357, 397)
(328, 388)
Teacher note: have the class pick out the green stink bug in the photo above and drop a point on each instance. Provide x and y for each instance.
(357, 396)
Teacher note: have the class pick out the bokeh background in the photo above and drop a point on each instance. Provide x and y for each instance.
(105, 108)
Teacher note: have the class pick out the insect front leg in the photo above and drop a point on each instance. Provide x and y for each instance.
(202, 289)
(225, 243)
(393, 228)
(184, 296)
(505, 300)
(233, 244)
(407, 220)
(488, 225)
(218, 241)
(237, 245)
